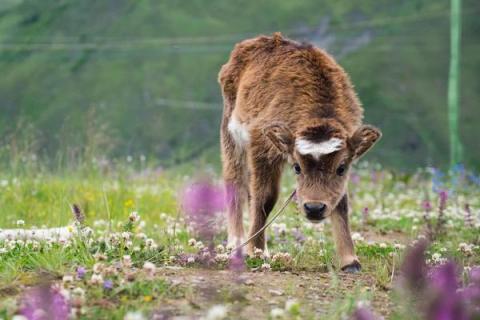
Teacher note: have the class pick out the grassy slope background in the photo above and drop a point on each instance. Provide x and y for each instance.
(89, 78)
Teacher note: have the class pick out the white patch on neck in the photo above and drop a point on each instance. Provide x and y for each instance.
(318, 149)
(239, 132)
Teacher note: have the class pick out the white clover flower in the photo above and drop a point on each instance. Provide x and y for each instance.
(221, 257)
(220, 248)
(67, 278)
(436, 257)
(134, 216)
(199, 245)
(126, 235)
(96, 279)
(127, 261)
(383, 245)
(399, 246)
(134, 315)
(149, 268)
(357, 237)
(192, 242)
(217, 312)
(265, 267)
(258, 253)
(277, 313)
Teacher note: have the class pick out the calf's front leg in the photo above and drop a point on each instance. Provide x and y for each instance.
(342, 238)
(264, 187)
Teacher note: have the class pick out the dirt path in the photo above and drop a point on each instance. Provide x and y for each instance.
(254, 294)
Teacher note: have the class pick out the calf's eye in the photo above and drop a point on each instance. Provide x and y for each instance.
(341, 170)
(297, 169)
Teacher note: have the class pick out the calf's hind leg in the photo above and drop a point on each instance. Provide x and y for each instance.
(234, 175)
(343, 240)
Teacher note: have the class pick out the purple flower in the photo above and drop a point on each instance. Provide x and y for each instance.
(81, 271)
(365, 212)
(363, 313)
(202, 202)
(446, 303)
(414, 267)
(42, 303)
(443, 195)
(237, 261)
(108, 285)
(426, 206)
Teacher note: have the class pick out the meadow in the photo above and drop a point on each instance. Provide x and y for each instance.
(128, 251)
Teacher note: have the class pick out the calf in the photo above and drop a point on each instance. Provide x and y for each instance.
(286, 102)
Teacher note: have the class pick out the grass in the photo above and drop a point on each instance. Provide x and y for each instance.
(111, 245)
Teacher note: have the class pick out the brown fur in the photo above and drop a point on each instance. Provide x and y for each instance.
(281, 91)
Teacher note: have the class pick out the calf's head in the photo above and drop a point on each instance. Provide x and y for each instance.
(321, 155)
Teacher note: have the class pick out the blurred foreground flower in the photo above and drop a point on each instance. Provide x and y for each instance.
(202, 202)
(436, 291)
(45, 303)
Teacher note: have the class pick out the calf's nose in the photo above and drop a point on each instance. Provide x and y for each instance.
(315, 210)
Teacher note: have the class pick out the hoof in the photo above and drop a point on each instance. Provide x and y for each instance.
(353, 267)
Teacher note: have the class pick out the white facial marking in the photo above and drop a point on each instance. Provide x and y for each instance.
(317, 149)
(239, 132)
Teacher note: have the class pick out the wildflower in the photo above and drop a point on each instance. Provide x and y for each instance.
(128, 203)
(221, 258)
(149, 268)
(220, 249)
(125, 235)
(45, 303)
(357, 237)
(258, 253)
(192, 242)
(77, 298)
(414, 268)
(108, 284)
(217, 312)
(436, 257)
(134, 216)
(201, 202)
(277, 313)
(67, 279)
(446, 304)
(96, 279)
(134, 315)
(147, 298)
(237, 261)
(265, 267)
(282, 257)
(20, 223)
(363, 313)
(127, 261)
(383, 245)
(190, 260)
(78, 214)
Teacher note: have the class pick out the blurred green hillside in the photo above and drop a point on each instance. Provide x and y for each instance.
(91, 78)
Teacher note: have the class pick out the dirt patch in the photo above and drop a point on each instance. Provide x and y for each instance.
(254, 294)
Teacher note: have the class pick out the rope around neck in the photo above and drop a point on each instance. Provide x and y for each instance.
(275, 216)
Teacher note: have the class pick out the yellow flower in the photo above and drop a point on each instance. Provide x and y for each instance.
(70, 229)
(129, 203)
(124, 298)
(147, 298)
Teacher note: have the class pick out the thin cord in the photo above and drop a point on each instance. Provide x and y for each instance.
(267, 224)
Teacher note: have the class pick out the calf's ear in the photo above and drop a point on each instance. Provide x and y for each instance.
(362, 140)
(280, 136)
